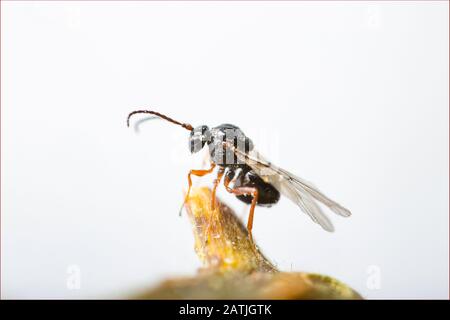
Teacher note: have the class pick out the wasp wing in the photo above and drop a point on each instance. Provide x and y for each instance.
(298, 190)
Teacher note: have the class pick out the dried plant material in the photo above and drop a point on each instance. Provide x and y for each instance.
(233, 266)
(221, 241)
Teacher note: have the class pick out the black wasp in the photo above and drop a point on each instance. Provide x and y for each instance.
(255, 180)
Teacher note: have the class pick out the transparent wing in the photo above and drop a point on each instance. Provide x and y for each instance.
(301, 192)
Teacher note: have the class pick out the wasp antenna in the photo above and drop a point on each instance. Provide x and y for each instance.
(184, 125)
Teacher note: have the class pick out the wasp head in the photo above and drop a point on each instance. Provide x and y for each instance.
(199, 136)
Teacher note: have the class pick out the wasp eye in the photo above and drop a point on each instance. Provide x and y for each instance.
(198, 138)
(196, 144)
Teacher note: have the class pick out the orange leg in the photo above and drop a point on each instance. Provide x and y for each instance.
(198, 173)
(213, 199)
(216, 184)
(243, 191)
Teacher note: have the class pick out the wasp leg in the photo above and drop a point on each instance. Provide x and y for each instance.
(198, 173)
(213, 200)
(216, 184)
(243, 191)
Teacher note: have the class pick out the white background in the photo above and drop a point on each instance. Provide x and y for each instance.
(351, 96)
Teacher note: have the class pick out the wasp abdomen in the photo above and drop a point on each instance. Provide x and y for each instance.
(268, 195)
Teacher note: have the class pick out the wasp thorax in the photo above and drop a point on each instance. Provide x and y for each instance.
(224, 139)
(199, 136)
